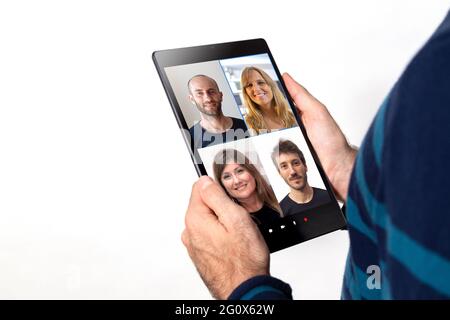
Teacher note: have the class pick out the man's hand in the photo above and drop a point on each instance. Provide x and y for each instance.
(222, 240)
(335, 154)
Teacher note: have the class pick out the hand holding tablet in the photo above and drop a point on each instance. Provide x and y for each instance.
(218, 234)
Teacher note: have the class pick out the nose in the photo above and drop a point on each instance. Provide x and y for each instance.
(254, 88)
(257, 86)
(236, 180)
(291, 171)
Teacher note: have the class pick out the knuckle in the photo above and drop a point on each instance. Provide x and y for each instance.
(203, 180)
(188, 221)
(194, 186)
(206, 184)
(185, 238)
(238, 216)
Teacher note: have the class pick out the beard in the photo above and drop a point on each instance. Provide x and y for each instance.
(298, 182)
(215, 111)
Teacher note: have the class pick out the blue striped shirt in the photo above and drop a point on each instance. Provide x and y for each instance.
(398, 206)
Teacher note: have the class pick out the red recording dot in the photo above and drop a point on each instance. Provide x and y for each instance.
(305, 219)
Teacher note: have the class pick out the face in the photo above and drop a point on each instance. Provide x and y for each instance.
(238, 181)
(258, 89)
(206, 96)
(292, 170)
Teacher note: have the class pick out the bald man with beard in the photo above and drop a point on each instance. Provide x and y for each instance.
(214, 127)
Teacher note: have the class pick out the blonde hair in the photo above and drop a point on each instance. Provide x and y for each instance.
(254, 117)
(263, 189)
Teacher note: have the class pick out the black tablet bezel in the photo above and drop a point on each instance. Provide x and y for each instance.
(326, 218)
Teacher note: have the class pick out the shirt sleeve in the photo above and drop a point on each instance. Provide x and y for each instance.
(416, 168)
(262, 288)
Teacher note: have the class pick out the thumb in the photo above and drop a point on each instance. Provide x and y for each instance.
(228, 212)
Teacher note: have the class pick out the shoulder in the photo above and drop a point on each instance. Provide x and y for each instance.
(249, 119)
(422, 92)
(320, 192)
(412, 133)
(412, 140)
(400, 181)
(195, 127)
(415, 124)
(238, 123)
(268, 209)
(286, 201)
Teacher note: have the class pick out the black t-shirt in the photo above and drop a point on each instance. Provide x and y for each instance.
(269, 223)
(202, 138)
(290, 207)
(265, 216)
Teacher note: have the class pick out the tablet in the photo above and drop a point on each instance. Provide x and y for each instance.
(241, 129)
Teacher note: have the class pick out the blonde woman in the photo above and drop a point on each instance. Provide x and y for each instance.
(245, 185)
(267, 108)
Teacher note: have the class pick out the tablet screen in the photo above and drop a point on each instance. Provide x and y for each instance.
(242, 130)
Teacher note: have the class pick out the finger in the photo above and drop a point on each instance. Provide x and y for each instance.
(302, 98)
(227, 211)
(199, 216)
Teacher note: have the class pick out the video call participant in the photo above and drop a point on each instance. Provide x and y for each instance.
(291, 166)
(267, 108)
(246, 186)
(213, 127)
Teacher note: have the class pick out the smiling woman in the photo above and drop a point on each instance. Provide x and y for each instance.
(267, 108)
(245, 185)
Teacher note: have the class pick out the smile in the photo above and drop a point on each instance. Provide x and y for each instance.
(240, 187)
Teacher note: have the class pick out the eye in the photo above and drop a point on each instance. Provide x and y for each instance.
(240, 170)
(261, 82)
(226, 177)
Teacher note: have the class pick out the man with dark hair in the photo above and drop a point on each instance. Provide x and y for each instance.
(213, 127)
(291, 166)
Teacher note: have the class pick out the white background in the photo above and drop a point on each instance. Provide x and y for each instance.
(94, 174)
